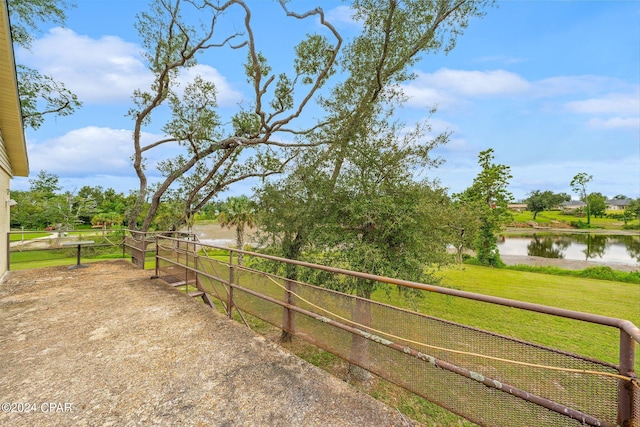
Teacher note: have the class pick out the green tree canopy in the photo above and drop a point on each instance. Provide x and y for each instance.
(579, 186)
(267, 133)
(238, 212)
(45, 184)
(540, 201)
(489, 196)
(597, 204)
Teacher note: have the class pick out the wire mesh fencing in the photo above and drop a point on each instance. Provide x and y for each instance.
(32, 249)
(489, 378)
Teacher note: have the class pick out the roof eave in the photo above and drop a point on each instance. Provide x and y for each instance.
(10, 111)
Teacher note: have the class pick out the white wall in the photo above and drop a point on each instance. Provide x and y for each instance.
(4, 220)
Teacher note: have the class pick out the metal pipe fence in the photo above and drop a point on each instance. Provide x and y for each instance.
(140, 245)
(489, 378)
(50, 246)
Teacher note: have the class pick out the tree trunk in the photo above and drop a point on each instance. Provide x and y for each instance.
(288, 321)
(459, 250)
(240, 241)
(292, 251)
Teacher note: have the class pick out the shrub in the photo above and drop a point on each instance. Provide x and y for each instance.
(580, 225)
(631, 226)
(599, 273)
(496, 262)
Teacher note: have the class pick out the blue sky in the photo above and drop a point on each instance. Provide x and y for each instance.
(552, 86)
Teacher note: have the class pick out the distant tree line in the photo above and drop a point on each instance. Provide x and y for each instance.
(46, 206)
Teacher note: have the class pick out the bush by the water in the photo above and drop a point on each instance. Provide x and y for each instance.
(497, 262)
(601, 273)
(580, 225)
(631, 226)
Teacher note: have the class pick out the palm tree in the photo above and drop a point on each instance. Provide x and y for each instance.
(238, 212)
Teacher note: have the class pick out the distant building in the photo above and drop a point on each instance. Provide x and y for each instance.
(618, 204)
(572, 205)
(13, 149)
(517, 207)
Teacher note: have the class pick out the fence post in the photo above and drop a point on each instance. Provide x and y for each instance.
(196, 266)
(288, 321)
(625, 388)
(231, 282)
(176, 248)
(157, 260)
(144, 250)
(186, 263)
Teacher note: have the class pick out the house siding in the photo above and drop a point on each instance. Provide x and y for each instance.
(4, 220)
(4, 157)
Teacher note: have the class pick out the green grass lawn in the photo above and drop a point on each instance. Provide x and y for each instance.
(27, 236)
(607, 298)
(58, 262)
(545, 218)
(24, 260)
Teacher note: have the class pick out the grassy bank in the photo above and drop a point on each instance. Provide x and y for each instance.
(599, 273)
(606, 298)
(547, 218)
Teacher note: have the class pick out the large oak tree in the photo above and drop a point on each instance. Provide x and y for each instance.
(274, 126)
(213, 155)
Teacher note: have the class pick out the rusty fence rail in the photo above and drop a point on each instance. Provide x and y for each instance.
(140, 246)
(486, 377)
(58, 245)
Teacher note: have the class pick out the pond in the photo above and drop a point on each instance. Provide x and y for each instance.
(581, 247)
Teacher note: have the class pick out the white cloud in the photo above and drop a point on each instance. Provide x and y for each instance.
(341, 15)
(86, 151)
(580, 84)
(614, 103)
(447, 87)
(614, 123)
(108, 69)
(421, 96)
(459, 145)
(97, 151)
(226, 95)
(439, 126)
(476, 83)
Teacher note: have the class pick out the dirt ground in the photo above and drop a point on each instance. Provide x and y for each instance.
(107, 345)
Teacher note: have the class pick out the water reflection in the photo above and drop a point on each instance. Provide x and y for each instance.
(548, 247)
(585, 247)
